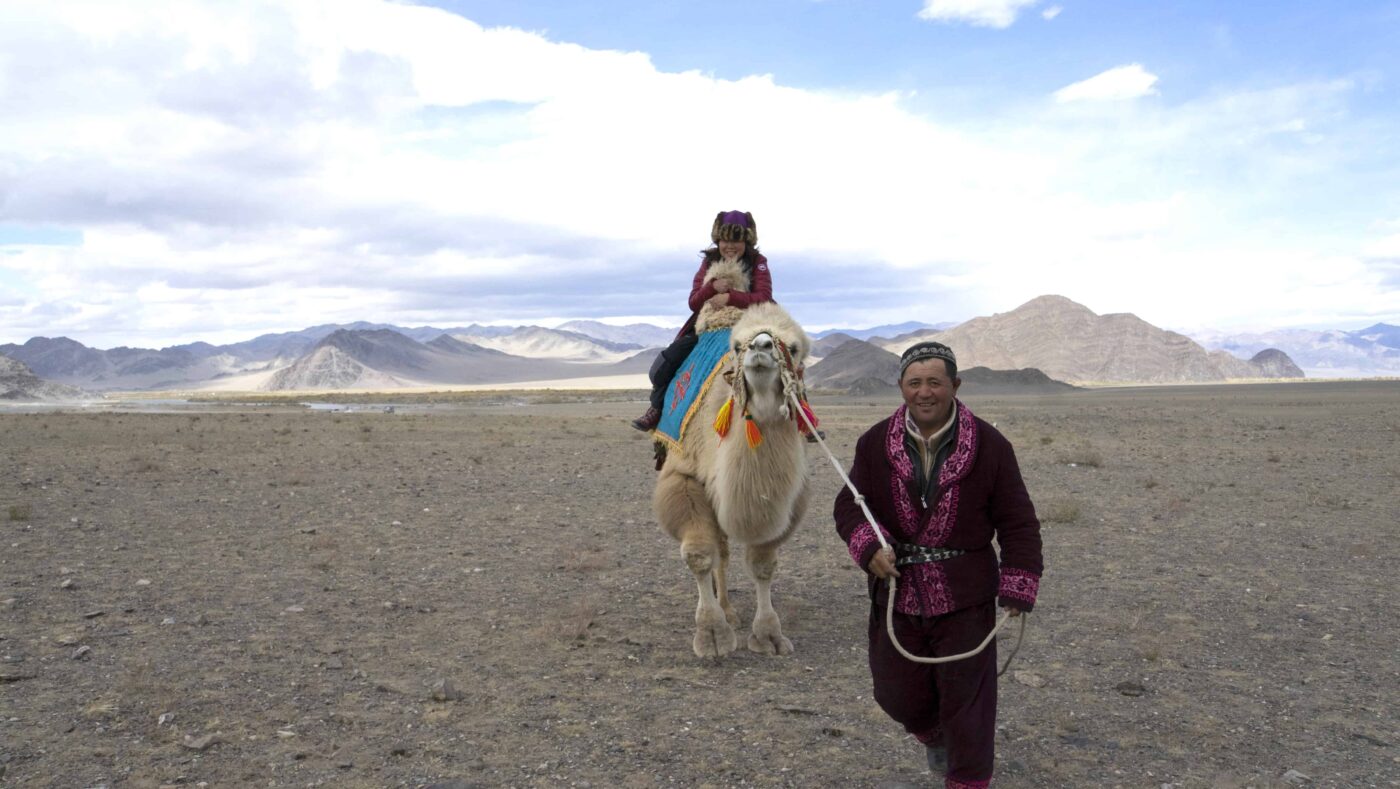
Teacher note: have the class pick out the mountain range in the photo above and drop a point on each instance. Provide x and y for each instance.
(1051, 334)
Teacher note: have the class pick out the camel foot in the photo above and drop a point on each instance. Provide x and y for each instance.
(732, 617)
(714, 640)
(770, 644)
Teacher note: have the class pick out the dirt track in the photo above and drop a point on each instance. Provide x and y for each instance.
(1218, 608)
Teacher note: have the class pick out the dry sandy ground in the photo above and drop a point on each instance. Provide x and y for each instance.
(1219, 607)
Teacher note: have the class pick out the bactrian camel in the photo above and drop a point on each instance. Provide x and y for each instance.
(747, 486)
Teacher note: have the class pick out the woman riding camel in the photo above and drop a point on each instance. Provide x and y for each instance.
(736, 240)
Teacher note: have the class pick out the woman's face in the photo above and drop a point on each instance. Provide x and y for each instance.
(731, 249)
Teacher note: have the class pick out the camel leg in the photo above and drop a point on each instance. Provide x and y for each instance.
(721, 582)
(767, 637)
(714, 637)
(685, 513)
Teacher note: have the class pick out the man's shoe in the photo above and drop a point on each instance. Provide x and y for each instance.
(648, 421)
(937, 758)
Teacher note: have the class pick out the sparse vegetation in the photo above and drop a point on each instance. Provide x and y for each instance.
(1061, 511)
(1082, 456)
(21, 512)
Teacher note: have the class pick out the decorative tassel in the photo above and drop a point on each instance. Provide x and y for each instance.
(723, 418)
(751, 432)
(811, 417)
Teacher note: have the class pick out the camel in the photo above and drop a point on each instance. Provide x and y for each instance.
(721, 489)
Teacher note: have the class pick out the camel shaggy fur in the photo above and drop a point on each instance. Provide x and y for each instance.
(720, 490)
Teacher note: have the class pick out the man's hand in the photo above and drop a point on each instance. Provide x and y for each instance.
(720, 299)
(882, 564)
(1011, 611)
(721, 285)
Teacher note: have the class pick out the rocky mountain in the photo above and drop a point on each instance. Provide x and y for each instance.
(1069, 342)
(1372, 351)
(70, 362)
(19, 383)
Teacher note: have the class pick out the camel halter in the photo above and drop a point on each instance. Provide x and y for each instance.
(889, 602)
(793, 389)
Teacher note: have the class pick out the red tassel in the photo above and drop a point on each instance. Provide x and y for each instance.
(751, 432)
(811, 417)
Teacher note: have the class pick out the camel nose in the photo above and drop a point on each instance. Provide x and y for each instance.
(762, 342)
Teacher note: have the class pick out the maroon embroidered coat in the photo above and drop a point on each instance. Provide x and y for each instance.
(979, 495)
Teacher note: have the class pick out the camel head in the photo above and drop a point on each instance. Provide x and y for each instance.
(769, 349)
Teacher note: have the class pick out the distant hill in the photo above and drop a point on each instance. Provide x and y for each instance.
(984, 381)
(1372, 351)
(535, 342)
(854, 360)
(642, 335)
(1069, 342)
(887, 330)
(19, 383)
(385, 359)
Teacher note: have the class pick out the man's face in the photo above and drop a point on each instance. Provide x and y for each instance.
(929, 391)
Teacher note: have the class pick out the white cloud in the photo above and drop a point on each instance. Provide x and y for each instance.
(982, 13)
(1051, 12)
(278, 165)
(1122, 82)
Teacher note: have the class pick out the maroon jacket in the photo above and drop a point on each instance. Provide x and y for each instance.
(760, 289)
(979, 495)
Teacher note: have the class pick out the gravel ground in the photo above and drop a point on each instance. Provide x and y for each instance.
(475, 593)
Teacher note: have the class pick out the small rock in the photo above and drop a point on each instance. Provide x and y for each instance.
(396, 523)
(66, 640)
(165, 717)
(66, 584)
(286, 733)
(345, 765)
(200, 743)
(82, 652)
(201, 620)
(311, 530)
(1028, 679)
(169, 620)
(1295, 778)
(294, 609)
(143, 582)
(398, 749)
(94, 614)
(335, 664)
(1130, 688)
(444, 690)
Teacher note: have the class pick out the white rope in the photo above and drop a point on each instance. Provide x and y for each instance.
(885, 546)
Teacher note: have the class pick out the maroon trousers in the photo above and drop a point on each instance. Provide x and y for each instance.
(953, 704)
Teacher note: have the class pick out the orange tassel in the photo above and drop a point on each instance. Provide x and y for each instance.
(811, 417)
(723, 418)
(751, 432)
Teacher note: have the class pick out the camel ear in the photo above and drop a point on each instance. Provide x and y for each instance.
(729, 376)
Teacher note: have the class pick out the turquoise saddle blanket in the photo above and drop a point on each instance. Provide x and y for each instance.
(690, 383)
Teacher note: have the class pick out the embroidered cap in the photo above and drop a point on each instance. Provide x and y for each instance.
(923, 351)
(734, 226)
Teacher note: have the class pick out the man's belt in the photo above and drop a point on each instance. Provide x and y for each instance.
(908, 554)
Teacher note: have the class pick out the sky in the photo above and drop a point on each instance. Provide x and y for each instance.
(181, 171)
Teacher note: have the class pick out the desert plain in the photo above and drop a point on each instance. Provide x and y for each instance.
(471, 591)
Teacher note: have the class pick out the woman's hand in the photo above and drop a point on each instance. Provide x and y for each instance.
(882, 564)
(721, 285)
(720, 299)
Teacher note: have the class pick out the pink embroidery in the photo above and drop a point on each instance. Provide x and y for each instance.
(861, 539)
(953, 783)
(1019, 584)
(923, 588)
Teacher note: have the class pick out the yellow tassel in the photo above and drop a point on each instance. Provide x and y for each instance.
(751, 432)
(723, 418)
